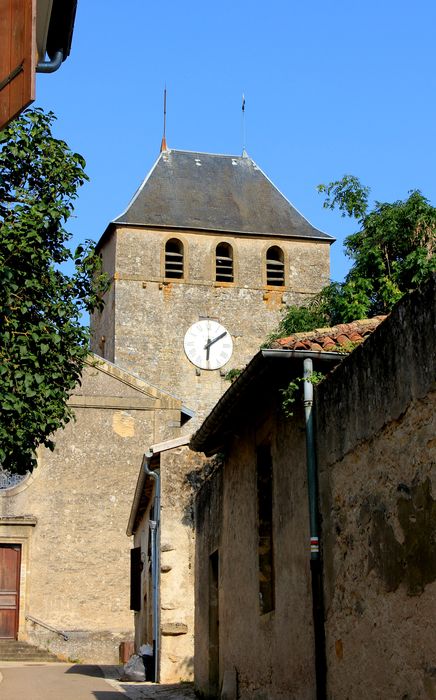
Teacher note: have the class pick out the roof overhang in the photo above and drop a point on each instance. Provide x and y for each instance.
(113, 225)
(144, 485)
(54, 27)
(263, 371)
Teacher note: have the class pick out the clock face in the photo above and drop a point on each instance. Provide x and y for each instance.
(208, 344)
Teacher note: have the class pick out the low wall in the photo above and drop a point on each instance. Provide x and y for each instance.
(376, 456)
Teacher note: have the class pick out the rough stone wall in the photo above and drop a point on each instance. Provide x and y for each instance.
(179, 469)
(377, 455)
(77, 554)
(153, 314)
(208, 525)
(270, 655)
(103, 323)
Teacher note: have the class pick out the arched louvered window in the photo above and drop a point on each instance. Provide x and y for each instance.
(275, 266)
(224, 263)
(174, 259)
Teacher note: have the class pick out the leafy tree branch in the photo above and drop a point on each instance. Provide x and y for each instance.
(43, 342)
(393, 252)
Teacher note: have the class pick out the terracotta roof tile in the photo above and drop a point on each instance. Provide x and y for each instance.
(337, 338)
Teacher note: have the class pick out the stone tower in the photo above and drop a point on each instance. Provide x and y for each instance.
(203, 260)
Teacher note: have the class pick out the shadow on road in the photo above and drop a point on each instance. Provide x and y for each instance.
(85, 670)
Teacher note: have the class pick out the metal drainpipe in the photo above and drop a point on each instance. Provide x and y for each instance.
(155, 568)
(51, 66)
(315, 561)
(311, 460)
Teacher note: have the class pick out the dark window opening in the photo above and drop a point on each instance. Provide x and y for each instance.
(174, 259)
(224, 263)
(265, 529)
(275, 266)
(135, 579)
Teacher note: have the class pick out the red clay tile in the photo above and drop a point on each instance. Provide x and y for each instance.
(343, 340)
(331, 339)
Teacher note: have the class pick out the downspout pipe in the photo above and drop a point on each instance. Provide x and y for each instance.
(311, 460)
(155, 549)
(51, 66)
(315, 559)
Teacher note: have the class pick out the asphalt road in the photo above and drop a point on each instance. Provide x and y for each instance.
(55, 682)
(58, 681)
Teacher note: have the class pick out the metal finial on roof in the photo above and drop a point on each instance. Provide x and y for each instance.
(244, 152)
(163, 145)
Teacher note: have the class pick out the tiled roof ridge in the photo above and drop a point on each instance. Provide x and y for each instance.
(342, 336)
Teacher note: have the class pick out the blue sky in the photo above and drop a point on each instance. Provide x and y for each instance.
(331, 88)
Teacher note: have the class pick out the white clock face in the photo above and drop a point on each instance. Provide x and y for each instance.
(208, 344)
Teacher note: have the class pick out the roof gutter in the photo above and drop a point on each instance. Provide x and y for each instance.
(301, 354)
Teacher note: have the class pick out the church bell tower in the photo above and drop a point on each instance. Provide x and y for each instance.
(202, 262)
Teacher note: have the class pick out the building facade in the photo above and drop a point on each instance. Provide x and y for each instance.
(274, 618)
(66, 521)
(201, 264)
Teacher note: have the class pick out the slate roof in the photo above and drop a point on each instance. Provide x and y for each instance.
(209, 192)
(342, 337)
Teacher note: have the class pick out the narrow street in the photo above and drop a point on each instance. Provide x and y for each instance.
(60, 681)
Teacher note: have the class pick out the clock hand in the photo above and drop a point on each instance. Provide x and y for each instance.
(214, 340)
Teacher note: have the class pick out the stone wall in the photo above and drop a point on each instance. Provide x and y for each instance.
(76, 553)
(377, 455)
(260, 655)
(376, 449)
(177, 564)
(208, 526)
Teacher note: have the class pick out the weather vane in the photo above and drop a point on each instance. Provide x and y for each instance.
(244, 152)
(163, 145)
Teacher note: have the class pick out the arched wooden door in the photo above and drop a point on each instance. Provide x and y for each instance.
(10, 560)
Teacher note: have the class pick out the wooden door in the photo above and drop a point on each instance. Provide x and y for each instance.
(10, 559)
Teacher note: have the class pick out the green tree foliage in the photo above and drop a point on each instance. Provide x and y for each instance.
(393, 253)
(299, 318)
(43, 342)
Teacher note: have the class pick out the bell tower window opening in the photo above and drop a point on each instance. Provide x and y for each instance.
(275, 266)
(174, 259)
(224, 263)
